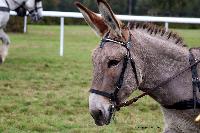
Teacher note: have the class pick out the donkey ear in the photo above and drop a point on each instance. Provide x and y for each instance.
(95, 21)
(109, 17)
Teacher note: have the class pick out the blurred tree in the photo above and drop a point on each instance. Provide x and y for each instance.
(168, 8)
(182, 8)
(131, 6)
(51, 4)
(137, 7)
(15, 24)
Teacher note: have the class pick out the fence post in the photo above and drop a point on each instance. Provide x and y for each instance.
(166, 26)
(61, 36)
(25, 24)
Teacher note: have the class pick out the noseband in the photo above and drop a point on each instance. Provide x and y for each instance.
(127, 58)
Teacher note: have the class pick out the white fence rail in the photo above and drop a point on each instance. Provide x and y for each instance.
(63, 15)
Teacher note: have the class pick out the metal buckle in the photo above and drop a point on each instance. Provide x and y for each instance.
(196, 60)
(195, 81)
(128, 45)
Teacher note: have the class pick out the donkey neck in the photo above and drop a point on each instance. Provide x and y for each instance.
(162, 59)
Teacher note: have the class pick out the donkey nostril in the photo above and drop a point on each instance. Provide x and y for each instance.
(97, 114)
(100, 113)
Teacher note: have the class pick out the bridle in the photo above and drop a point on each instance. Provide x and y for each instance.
(36, 8)
(29, 11)
(127, 58)
(182, 105)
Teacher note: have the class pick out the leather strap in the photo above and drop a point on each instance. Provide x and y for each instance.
(183, 105)
(102, 93)
(4, 9)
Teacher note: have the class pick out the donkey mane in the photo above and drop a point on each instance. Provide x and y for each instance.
(153, 29)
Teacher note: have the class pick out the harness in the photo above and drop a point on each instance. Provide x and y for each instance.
(195, 102)
(182, 105)
(5, 9)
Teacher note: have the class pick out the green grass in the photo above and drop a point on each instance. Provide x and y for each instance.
(42, 92)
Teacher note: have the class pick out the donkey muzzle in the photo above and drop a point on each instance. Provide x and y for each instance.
(35, 17)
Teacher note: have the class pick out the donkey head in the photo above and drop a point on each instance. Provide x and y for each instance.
(35, 9)
(109, 62)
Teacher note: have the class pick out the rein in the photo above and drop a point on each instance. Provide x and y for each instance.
(113, 96)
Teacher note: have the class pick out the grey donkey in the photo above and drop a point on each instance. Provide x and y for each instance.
(34, 7)
(158, 55)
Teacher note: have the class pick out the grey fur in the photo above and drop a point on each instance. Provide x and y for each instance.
(4, 17)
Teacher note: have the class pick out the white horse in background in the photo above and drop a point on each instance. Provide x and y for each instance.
(33, 7)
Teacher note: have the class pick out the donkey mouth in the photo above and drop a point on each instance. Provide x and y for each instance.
(103, 121)
(99, 122)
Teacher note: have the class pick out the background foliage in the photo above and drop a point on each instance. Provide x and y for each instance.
(178, 8)
(15, 24)
(187, 8)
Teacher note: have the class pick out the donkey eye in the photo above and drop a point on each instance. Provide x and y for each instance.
(112, 63)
